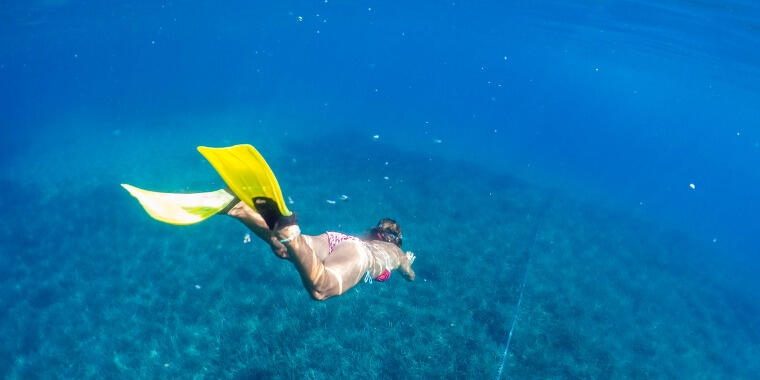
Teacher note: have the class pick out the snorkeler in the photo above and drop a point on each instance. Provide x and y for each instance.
(329, 264)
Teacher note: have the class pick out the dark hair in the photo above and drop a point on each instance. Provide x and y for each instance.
(386, 230)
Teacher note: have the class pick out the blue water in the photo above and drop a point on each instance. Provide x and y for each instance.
(622, 137)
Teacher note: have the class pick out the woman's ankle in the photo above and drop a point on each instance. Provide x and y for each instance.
(288, 233)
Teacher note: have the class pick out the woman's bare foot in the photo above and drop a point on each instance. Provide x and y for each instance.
(258, 226)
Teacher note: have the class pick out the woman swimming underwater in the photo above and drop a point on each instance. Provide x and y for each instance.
(329, 264)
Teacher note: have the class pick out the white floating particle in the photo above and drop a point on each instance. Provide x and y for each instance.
(344, 197)
(715, 240)
(197, 286)
(596, 69)
(739, 133)
(247, 238)
(505, 57)
(386, 178)
(437, 141)
(330, 201)
(300, 18)
(290, 200)
(692, 186)
(386, 163)
(376, 137)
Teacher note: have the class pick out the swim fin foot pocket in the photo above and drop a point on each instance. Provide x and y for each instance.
(269, 210)
(246, 174)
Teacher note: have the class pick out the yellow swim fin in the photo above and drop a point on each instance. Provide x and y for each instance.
(246, 173)
(178, 208)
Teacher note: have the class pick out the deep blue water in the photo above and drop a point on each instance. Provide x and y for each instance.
(483, 109)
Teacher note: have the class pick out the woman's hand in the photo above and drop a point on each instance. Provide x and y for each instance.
(410, 257)
(406, 268)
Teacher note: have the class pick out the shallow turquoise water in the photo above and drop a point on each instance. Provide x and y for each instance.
(94, 288)
(499, 143)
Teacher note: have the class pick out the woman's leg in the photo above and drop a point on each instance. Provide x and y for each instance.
(342, 269)
(258, 226)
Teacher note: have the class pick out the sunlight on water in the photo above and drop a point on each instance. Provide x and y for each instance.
(576, 181)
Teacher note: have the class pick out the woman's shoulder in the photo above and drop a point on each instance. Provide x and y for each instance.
(384, 246)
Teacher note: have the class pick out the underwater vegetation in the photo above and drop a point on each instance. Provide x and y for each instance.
(96, 289)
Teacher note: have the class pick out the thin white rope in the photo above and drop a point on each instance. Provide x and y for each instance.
(519, 301)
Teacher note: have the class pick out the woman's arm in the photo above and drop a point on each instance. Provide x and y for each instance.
(405, 265)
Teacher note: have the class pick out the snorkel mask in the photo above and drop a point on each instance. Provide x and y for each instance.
(386, 235)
